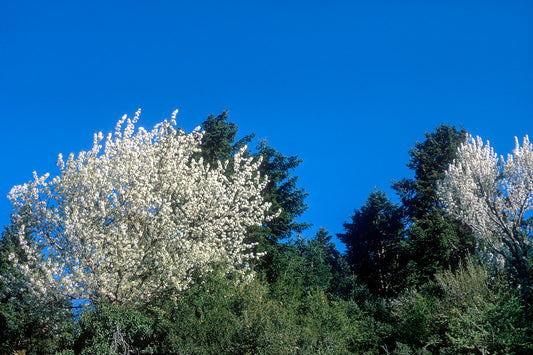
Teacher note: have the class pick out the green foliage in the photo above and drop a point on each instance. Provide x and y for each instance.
(26, 323)
(372, 329)
(429, 160)
(307, 265)
(306, 298)
(324, 325)
(287, 199)
(112, 329)
(415, 325)
(435, 241)
(282, 192)
(221, 317)
(326, 270)
(373, 239)
(332, 310)
(218, 143)
(482, 312)
(470, 311)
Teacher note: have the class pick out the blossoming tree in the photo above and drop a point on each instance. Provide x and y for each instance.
(494, 196)
(140, 218)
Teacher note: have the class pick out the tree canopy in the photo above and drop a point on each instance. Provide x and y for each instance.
(139, 219)
(170, 242)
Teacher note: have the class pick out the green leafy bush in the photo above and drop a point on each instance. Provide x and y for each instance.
(482, 312)
(109, 329)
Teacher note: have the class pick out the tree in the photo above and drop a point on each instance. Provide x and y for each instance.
(142, 218)
(26, 321)
(494, 196)
(287, 200)
(372, 242)
(435, 240)
(304, 265)
(282, 192)
(326, 268)
(218, 141)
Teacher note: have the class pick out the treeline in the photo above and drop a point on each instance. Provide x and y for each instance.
(410, 282)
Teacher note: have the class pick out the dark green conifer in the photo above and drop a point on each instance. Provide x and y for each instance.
(373, 239)
(435, 241)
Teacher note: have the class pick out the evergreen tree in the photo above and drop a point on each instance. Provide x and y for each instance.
(327, 269)
(373, 240)
(282, 192)
(435, 241)
(218, 144)
(305, 265)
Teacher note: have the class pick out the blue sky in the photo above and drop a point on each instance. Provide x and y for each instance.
(348, 86)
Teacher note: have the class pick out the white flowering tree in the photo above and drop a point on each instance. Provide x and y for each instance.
(494, 196)
(140, 218)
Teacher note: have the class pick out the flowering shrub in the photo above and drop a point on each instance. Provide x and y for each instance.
(140, 218)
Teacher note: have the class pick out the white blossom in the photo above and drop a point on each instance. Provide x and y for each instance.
(494, 196)
(137, 219)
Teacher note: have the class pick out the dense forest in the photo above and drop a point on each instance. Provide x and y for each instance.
(169, 242)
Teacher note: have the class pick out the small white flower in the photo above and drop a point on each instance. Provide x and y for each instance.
(141, 209)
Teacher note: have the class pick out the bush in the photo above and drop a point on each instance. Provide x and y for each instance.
(108, 329)
(482, 312)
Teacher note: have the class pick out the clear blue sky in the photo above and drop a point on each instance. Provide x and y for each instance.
(348, 86)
